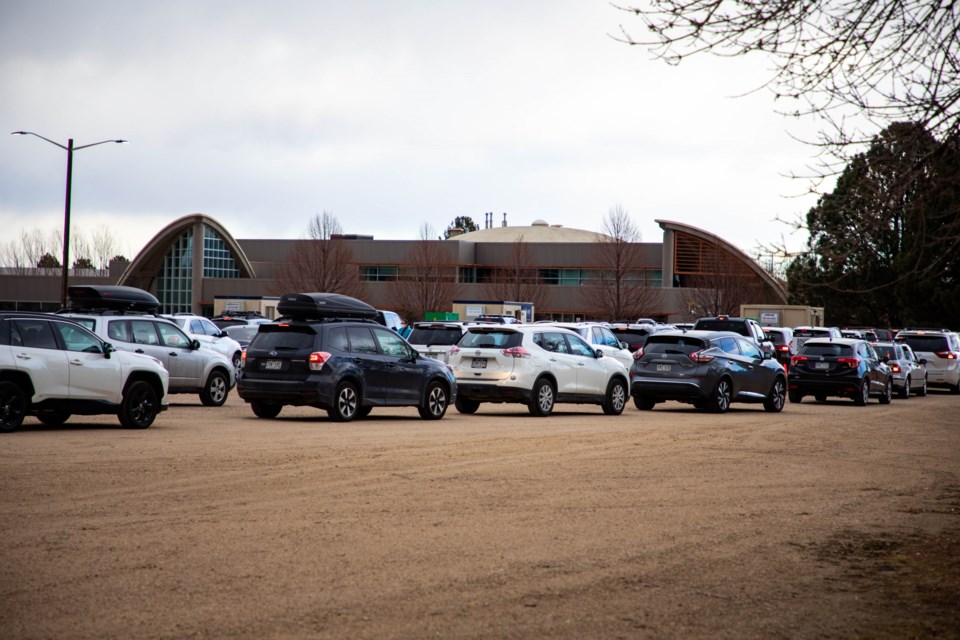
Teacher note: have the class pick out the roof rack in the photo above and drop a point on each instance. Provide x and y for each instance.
(323, 306)
(116, 298)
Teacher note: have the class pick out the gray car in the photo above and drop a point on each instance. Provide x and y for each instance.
(709, 369)
(908, 372)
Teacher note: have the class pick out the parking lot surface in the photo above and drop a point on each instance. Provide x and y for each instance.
(825, 521)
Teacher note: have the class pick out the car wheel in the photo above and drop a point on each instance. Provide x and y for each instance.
(955, 389)
(719, 400)
(464, 405)
(923, 390)
(266, 409)
(13, 406)
(887, 393)
(53, 418)
(863, 394)
(777, 397)
(345, 403)
(436, 402)
(644, 403)
(363, 412)
(214, 393)
(237, 360)
(795, 396)
(542, 398)
(904, 393)
(139, 406)
(616, 398)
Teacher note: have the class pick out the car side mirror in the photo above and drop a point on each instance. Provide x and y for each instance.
(624, 345)
(598, 353)
(194, 344)
(922, 361)
(767, 355)
(108, 349)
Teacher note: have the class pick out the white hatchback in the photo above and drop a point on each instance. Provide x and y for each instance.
(535, 365)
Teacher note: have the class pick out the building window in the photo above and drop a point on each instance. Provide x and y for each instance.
(175, 283)
(378, 273)
(217, 261)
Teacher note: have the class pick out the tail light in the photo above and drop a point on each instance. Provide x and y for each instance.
(638, 353)
(516, 352)
(243, 358)
(454, 350)
(317, 359)
(700, 356)
(795, 359)
(783, 347)
(947, 355)
(853, 363)
(895, 368)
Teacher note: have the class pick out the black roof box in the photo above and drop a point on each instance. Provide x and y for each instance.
(324, 305)
(113, 297)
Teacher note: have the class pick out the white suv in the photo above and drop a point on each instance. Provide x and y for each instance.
(941, 349)
(210, 336)
(52, 368)
(536, 365)
(602, 338)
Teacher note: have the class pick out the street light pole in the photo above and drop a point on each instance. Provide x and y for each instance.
(66, 206)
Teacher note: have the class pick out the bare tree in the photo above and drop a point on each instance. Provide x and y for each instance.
(519, 279)
(427, 281)
(103, 247)
(620, 291)
(26, 251)
(323, 262)
(724, 284)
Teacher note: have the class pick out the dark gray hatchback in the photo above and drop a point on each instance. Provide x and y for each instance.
(709, 369)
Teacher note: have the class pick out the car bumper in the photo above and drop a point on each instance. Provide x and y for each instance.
(285, 392)
(661, 389)
(492, 392)
(820, 386)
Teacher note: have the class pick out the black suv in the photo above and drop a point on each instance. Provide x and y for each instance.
(328, 351)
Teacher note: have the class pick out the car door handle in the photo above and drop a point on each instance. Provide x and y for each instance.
(138, 350)
(77, 363)
(23, 356)
(172, 354)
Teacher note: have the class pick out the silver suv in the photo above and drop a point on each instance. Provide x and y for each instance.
(192, 368)
(209, 335)
(941, 349)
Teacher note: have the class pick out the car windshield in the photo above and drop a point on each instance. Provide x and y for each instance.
(673, 344)
(490, 339)
(834, 350)
(435, 335)
(925, 343)
(737, 326)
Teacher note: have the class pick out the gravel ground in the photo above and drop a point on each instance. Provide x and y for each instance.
(825, 521)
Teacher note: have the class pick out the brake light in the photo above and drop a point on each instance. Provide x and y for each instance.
(947, 355)
(783, 347)
(638, 353)
(700, 356)
(516, 352)
(795, 359)
(895, 368)
(853, 363)
(283, 324)
(243, 358)
(317, 359)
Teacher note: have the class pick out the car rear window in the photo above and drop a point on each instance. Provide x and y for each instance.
(835, 350)
(277, 337)
(673, 344)
(490, 339)
(776, 337)
(925, 343)
(811, 333)
(631, 335)
(887, 351)
(435, 335)
(736, 326)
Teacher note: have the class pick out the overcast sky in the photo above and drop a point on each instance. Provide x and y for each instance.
(387, 114)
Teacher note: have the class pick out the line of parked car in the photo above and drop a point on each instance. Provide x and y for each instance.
(335, 353)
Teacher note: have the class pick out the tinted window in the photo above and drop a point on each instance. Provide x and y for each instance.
(925, 343)
(776, 337)
(673, 344)
(36, 333)
(811, 333)
(737, 326)
(279, 337)
(490, 339)
(836, 350)
(889, 352)
(750, 350)
(435, 335)
(143, 332)
(361, 340)
(336, 340)
(391, 344)
(729, 345)
(119, 331)
(552, 341)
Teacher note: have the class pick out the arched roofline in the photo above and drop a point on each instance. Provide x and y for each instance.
(145, 266)
(764, 275)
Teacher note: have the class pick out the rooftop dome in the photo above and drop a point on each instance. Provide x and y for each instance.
(539, 231)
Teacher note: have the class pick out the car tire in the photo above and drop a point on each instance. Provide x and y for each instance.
(237, 360)
(466, 406)
(719, 400)
(140, 406)
(346, 403)
(616, 397)
(923, 390)
(266, 410)
(542, 398)
(215, 391)
(887, 393)
(436, 400)
(53, 418)
(363, 411)
(955, 389)
(862, 395)
(644, 403)
(904, 393)
(795, 396)
(777, 397)
(13, 406)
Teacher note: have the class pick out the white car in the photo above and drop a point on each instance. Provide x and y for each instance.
(602, 338)
(210, 336)
(436, 339)
(52, 367)
(537, 365)
(941, 349)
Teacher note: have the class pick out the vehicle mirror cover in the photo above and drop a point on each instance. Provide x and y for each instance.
(108, 349)
(194, 344)
(598, 353)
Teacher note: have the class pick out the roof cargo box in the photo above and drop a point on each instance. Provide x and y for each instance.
(324, 305)
(113, 297)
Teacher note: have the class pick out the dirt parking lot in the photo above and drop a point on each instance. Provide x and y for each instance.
(825, 521)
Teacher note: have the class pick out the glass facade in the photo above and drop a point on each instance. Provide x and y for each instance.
(378, 273)
(175, 283)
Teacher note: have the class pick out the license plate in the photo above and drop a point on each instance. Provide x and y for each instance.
(479, 363)
(821, 365)
(664, 367)
(273, 365)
